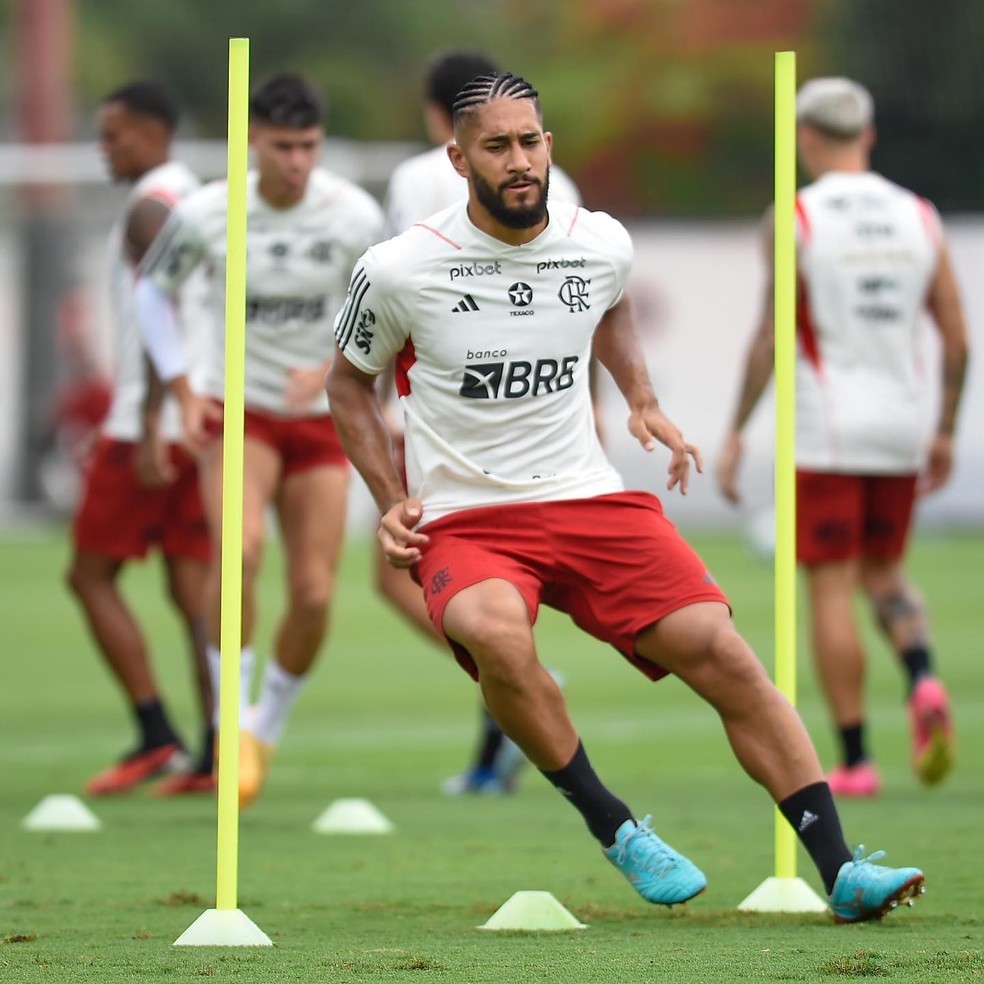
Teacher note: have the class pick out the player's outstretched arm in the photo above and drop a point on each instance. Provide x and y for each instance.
(618, 349)
(361, 427)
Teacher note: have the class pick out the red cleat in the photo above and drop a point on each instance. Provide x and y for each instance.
(137, 768)
(183, 783)
(932, 731)
(857, 781)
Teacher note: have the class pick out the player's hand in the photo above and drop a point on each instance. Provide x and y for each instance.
(401, 545)
(648, 425)
(939, 465)
(727, 468)
(153, 464)
(198, 415)
(304, 386)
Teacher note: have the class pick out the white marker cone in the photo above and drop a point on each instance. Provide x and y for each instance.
(532, 911)
(783, 895)
(223, 927)
(61, 811)
(352, 816)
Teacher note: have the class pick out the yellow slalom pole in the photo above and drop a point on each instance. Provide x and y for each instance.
(785, 449)
(232, 478)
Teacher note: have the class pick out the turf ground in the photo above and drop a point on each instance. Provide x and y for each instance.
(387, 718)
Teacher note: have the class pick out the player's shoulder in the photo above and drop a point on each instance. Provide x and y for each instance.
(331, 190)
(562, 187)
(407, 257)
(208, 199)
(590, 230)
(168, 181)
(420, 167)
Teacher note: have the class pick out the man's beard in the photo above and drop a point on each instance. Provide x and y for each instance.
(512, 216)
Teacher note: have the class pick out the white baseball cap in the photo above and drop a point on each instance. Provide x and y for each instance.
(835, 105)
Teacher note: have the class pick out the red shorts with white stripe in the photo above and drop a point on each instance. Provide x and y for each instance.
(844, 516)
(614, 563)
(120, 518)
(302, 443)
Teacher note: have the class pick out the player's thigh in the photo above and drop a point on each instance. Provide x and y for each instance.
(700, 644)
(311, 508)
(261, 475)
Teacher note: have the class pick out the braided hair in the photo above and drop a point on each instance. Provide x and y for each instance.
(501, 85)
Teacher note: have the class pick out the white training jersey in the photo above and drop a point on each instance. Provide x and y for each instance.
(427, 183)
(167, 183)
(868, 250)
(298, 262)
(493, 342)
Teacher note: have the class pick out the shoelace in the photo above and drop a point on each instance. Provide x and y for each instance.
(659, 859)
(857, 859)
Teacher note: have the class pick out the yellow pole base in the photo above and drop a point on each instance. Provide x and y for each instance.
(223, 927)
(783, 895)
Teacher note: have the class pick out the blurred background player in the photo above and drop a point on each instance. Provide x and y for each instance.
(305, 229)
(142, 492)
(419, 187)
(871, 257)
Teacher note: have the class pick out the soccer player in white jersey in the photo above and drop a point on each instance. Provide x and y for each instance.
(419, 187)
(141, 491)
(305, 229)
(872, 258)
(492, 310)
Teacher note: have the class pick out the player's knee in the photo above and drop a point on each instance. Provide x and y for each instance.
(309, 601)
(75, 580)
(494, 630)
(732, 667)
(82, 580)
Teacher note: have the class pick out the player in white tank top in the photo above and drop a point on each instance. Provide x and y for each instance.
(305, 229)
(121, 516)
(872, 258)
(492, 311)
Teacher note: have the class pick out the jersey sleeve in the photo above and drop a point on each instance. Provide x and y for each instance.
(175, 252)
(396, 200)
(368, 227)
(622, 254)
(369, 330)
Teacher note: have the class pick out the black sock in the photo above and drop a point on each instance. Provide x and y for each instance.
(852, 744)
(917, 665)
(206, 761)
(490, 743)
(155, 729)
(602, 812)
(812, 814)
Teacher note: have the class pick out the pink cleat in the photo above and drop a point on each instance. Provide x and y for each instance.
(855, 781)
(932, 731)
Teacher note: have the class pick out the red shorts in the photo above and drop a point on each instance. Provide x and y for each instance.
(302, 443)
(614, 563)
(118, 517)
(844, 516)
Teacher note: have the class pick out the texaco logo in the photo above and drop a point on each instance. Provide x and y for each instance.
(520, 294)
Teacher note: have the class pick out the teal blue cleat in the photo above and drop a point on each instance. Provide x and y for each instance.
(867, 891)
(657, 872)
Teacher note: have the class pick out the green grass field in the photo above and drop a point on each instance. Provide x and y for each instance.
(387, 718)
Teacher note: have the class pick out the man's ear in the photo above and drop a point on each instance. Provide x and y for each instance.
(458, 161)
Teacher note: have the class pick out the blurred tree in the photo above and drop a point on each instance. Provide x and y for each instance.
(658, 106)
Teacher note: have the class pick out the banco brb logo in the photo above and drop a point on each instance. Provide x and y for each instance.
(516, 379)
